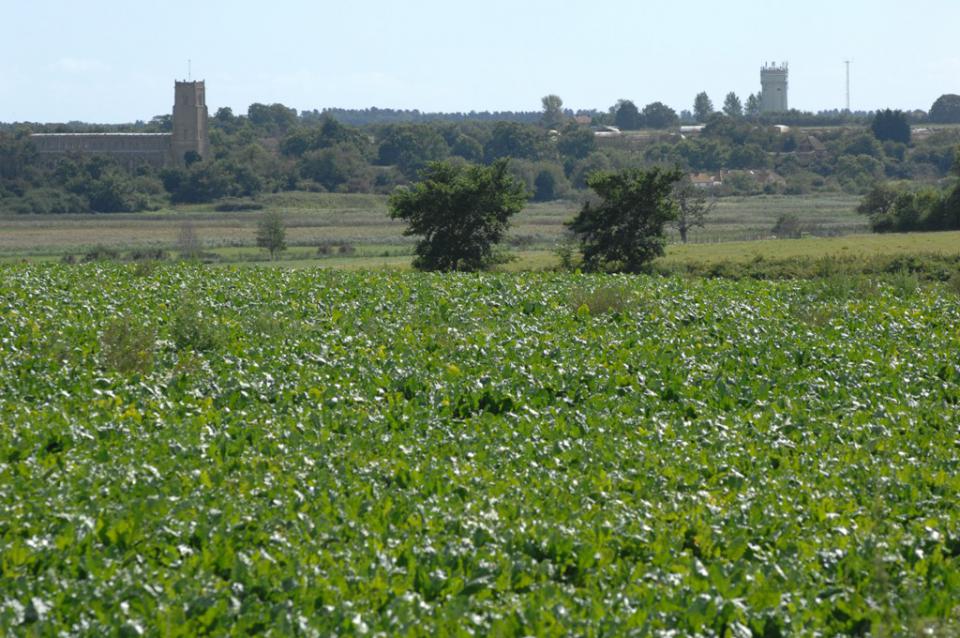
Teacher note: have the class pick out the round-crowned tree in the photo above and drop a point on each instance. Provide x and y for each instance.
(946, 110)
(461, 212)
(624, 232)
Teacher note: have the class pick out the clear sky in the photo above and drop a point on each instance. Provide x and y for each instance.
(116, 60)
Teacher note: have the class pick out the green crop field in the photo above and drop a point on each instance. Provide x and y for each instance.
(189, 450)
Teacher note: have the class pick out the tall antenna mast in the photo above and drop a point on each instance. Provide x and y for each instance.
(190, 72)
(847, 62)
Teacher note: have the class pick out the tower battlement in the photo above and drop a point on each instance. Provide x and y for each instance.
(189, 121)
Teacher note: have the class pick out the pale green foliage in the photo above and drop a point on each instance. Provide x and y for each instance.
(272, 233)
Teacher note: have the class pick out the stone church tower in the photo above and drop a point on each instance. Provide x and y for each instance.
(189, 122)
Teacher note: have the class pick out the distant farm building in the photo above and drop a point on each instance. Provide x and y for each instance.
(189, 136)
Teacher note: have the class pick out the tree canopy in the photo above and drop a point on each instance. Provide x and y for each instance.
(624, 232)
(946, 110)
(552, 111)
(627, 116)
(461, 212)
(732, 107)
(271, 233)
(659, 115)
(702, 107)
(892, 126)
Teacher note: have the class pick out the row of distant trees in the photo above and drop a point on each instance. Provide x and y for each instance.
(274, 148)
(278, 118)
(625, 114)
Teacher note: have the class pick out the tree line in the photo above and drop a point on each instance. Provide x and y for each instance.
(274, 148)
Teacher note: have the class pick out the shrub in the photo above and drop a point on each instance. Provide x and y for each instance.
(605, 300)
(127, 347)
(190, 329)
(788, 227)
(237, 205)
(904, 283)
(953, 284)
(101, 253)
(148, 254)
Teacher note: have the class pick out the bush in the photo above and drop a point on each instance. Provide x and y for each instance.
(48, 201)
(788, 226)
(953, 284)
(148, 254)
(127, 347)
(101, 253)
(237, 205)
(607, 300)
(190, 329)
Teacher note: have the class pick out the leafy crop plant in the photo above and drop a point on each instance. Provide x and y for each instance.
(421, 454)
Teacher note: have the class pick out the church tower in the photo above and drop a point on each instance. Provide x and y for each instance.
(189, 121)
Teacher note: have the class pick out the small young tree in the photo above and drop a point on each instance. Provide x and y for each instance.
(624, 232)
(187, 241)
(692, 207)
(732, 107)
(552, 117)
(272, 233)
(461, 213)
(702, 107)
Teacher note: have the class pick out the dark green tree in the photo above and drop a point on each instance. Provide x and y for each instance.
(946, 110)
(752, 108)
(624, 232)
(275, 119)
(552, 117)
(576, 142)
(702, 107)
(341, 167)
(891, 125)
(461, 212)
(732, 107)
(627, 116)
(272, 233)
(545, 186)
(411, 146)
(514, 140)
(659, 115)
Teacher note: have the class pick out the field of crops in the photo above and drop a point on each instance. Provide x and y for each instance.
(230, 451)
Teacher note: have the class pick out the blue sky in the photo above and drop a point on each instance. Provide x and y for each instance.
(115, 61)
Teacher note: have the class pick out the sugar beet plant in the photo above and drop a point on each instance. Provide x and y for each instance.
(417, 454)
